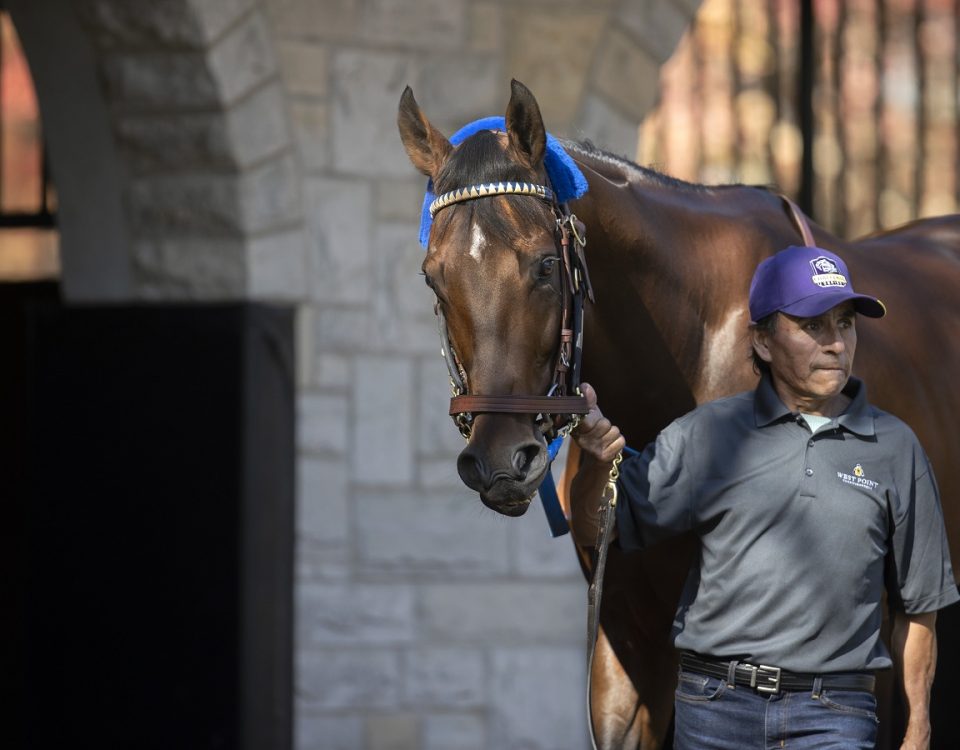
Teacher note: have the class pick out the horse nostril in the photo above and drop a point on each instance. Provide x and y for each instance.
(472, 471)
(524, 457)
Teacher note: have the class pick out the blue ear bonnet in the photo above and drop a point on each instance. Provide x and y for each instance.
(565, 176)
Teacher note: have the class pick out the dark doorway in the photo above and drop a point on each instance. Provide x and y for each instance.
(148, 535)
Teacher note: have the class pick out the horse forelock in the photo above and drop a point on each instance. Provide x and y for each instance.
(506, 219)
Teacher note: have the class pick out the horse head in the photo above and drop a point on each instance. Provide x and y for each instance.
(494, 267)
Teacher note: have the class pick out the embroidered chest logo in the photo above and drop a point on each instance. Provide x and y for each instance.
(857, 478)
(826, 273)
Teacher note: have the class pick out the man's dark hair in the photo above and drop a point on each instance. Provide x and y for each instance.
(767, 324)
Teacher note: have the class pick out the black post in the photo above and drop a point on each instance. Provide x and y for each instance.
(807, 69)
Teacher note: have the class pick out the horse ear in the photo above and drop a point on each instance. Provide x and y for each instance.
(426, 146)
(528, 139)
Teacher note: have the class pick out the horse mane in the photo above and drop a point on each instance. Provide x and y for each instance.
(587, 149)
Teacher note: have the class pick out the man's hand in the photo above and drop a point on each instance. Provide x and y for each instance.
(600, 442)
(596, 436)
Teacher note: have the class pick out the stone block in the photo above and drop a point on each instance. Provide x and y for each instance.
(557, 80)
(440, 474)
(484, 27)
(398, 731)
(269, 195)
(445, 678)
(537, 698)
(402, 305)
(425, 24)
(158, 81)
(174, 142)
(342, 329)
(147, 23)
(277, 266)
(332, 371)
(323, 507)
(327, 563)
(327, 732)
(412, 336)
(536, 553)
(627, 75)
(311, 126)
(184, 204)
(401, 201)
(322, 424)
(444, 535)
(243, 59)
(142, 23)
(210, 268)
(493, 613)
(454, 732)
(338, 219)
(257, 126)
(367, 88)
(444, 82)
(217, 17)
(609, 128)
(382, 445)
(310, 21)
(437, 434)
(657, 24)
(333, 679)
(305, 67)
(354, 614)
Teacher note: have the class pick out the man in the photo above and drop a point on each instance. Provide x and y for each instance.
(808, 502)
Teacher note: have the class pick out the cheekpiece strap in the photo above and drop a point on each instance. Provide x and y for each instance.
(491, 188)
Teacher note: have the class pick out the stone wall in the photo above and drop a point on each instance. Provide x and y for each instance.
(255, 156)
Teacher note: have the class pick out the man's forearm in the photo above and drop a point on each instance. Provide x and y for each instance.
(914, 644)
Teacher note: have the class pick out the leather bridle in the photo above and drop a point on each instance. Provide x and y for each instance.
(563, 404)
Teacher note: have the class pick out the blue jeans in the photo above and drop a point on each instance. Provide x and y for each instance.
(711, 715)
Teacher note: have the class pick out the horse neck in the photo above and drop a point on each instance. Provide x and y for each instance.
(671, 265)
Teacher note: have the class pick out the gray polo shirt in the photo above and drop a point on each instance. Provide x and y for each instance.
(799, 532)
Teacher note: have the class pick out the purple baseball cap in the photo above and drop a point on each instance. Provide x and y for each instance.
(806, 282)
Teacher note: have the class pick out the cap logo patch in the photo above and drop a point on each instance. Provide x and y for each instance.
(826, 273)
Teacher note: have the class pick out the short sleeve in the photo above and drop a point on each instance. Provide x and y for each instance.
(920, 570)
(655, 491)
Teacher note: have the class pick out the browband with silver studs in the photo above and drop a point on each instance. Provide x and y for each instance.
(488, 189)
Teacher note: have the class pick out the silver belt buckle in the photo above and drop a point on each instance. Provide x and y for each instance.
(764, 679)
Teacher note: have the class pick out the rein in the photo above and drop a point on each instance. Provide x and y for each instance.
(563, 398)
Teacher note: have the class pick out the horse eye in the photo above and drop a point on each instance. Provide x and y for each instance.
(546, 266)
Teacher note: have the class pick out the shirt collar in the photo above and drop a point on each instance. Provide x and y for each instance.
(857, 417)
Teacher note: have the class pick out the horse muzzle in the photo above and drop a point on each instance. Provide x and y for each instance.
(507, 479)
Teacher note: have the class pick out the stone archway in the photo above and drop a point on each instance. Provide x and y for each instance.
(170, 148)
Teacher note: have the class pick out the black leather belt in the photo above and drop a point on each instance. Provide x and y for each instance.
(771, 680)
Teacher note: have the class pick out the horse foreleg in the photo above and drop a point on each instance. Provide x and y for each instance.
(635, 667)
(620, 720)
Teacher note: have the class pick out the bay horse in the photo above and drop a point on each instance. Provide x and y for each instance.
(671, 264)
